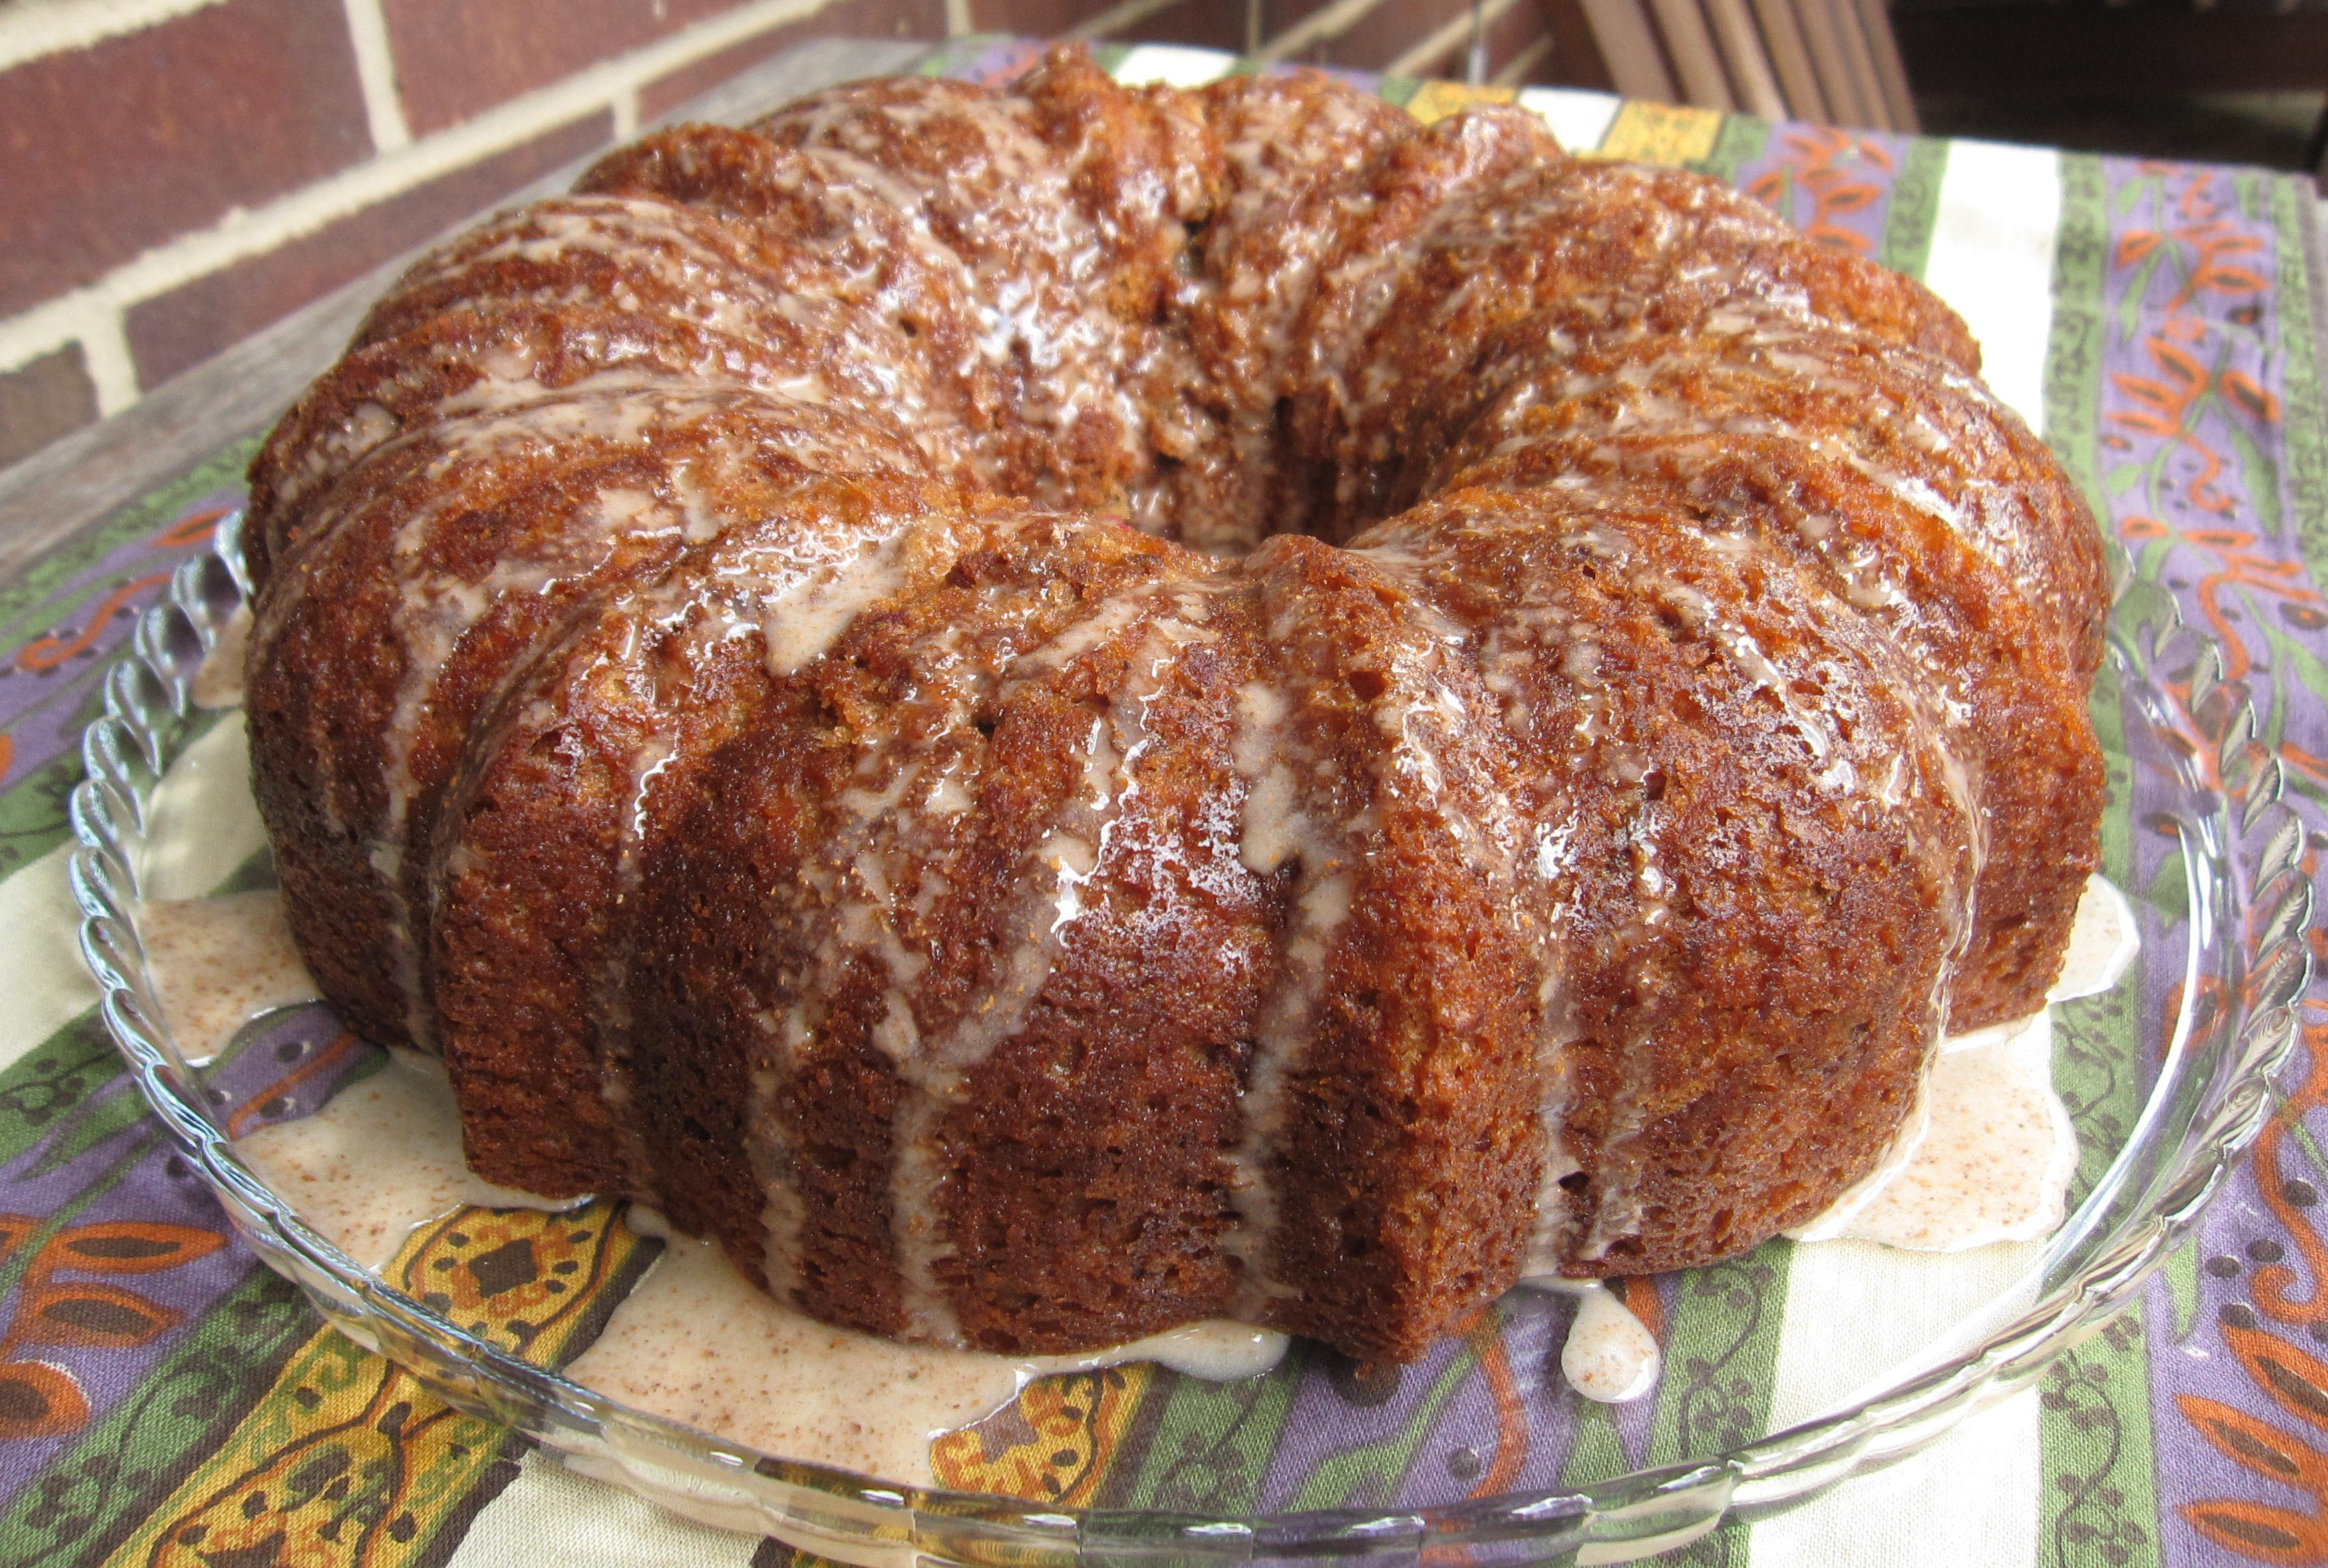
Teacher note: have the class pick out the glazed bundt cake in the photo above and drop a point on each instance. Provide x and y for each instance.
(1591, 684)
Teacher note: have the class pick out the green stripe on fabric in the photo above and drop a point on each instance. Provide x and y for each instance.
(2074, 359)
(1739, 141)
(1596, 1451)
(1125, 1460)
(34, 810)
(149, 515)
(1721, 1357)
(1915, 207)
(1213, 1441)
(42, 1089)
(2097, 1040)
(63, 616)
(2095, 1446)
(1721, 1354)
(2301, 414)
(94, 1494)
(2099, 1468)
(334, 1413)
(453, 1528)
(1398, 90)
(113, 1110)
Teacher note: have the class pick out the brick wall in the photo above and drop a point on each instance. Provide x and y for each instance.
(176, 175)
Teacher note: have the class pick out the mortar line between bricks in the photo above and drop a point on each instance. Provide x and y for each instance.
(376, 71)
(100, 331)
(105, 352)
(28, 33)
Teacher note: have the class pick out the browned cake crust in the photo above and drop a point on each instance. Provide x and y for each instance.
(536, 859)
(704, 685)
(1813, 440)
(1499, 257)
(1746, 929)
(386, 631)
(1066, 1210)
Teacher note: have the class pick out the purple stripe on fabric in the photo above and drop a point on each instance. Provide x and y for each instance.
(49, 684)
(286, 1065)
(1834, 185)
(2195, 465)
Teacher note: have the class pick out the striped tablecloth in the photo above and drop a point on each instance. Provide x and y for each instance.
(163, 1400)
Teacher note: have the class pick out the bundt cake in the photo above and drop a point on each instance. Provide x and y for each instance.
(1591, 684)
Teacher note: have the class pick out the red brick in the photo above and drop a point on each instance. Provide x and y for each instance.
(842, 19)
(1280, 17)
(39, 401)
(1514, 34)
(107, 151)
(458, 58)
(175, 331)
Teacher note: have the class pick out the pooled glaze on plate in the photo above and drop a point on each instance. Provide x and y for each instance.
(219, 963)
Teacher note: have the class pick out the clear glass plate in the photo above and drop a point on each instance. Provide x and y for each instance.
(2220, 977)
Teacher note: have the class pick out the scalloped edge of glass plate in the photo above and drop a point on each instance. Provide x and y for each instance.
(2248, 968)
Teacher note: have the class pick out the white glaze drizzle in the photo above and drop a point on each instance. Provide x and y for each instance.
(2103, 942)
(1609, 1356)
(1277, 827)
(698, 1343)
(1997, 1157)
(1064, 348)
(799, 588)
(1042, 322)
(382, 1157)
(1080, 849)
(436, 611)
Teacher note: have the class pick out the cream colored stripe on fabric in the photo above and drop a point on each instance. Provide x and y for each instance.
(1972, 1497)
(1577, 118)
(43, 984)
(202, 810)
(1172, 65)
(1992, 257)
(550, 1515)
(203, 817)
(1857, 1313)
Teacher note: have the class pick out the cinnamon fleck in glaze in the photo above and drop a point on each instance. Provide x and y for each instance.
(1591, 685)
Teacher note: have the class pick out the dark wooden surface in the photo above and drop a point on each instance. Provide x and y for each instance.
(78, 481)
(2122, 51)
